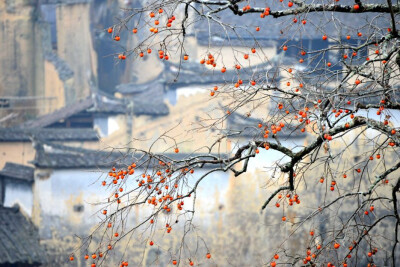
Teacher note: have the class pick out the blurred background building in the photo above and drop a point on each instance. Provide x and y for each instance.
(69, 110)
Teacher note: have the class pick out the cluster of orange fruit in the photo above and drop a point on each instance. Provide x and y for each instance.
(160, 181)
(290, 201)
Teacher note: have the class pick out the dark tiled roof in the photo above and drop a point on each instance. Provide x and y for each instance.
(48, 134)
(148, 98)
(138, 88)
(63, 157)
(97, 102)
(18, 171)
(59, 114)
(242, 126)
(105, 103)
(19, 239)
(189, 73)
(56, 156)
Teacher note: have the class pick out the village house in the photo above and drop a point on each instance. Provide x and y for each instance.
(20, 241)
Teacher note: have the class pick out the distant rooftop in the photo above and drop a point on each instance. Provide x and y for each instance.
(54, 156)
(148, 98)
(189, 73)
(48, 134)
(17, 171)
(19, 240)
(96, 103)
(240, 125)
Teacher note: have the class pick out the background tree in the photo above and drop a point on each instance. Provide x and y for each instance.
(344, 95)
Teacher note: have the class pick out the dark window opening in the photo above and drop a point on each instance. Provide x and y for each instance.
(4, 103)
(48, 14)
(80, 120)
(78, 208)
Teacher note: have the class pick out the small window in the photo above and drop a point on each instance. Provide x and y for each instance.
(356, 159)
(48, 14)
(78, 208)
(4, 103)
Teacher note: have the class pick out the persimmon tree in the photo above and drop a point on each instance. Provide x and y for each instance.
(343, 97)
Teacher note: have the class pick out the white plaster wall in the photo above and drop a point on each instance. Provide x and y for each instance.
(19, 193)
(65, 188)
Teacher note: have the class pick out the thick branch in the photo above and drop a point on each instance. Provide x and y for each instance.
(396, 213)
(273, 195)
(320, 8)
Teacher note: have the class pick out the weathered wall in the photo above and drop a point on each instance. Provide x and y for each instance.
(64, 207)
(117, 132)
(74, 45)
(53, 87)
(24, 153)
(17, 53)
(17, 152)
(18, 192)
(192, 109)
